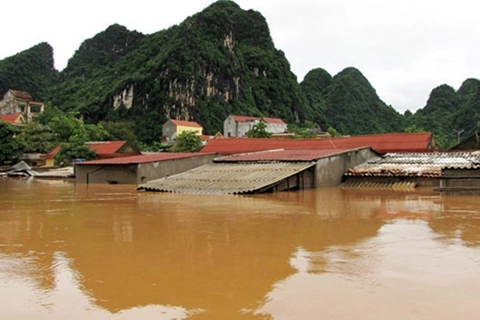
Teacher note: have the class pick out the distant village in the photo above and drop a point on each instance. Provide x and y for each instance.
(232, 163)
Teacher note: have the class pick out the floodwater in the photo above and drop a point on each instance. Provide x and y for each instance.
(111, 252)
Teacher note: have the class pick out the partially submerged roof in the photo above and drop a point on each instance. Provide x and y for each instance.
(381, 143)
(227, 178)
(103, 149)
(144, 158)
(415, 164)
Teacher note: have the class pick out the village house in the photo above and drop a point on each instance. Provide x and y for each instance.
(20, 102)
(238, 126)
(103, 149)
(172, 128)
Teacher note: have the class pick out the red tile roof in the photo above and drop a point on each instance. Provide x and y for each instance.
(283, 155)
(186, 123)
(145, 158)
(10, 118)
(103, 149)
(381, 143)
(248, 118)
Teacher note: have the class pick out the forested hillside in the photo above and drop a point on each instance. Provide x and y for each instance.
(31, 70)
(218, 62)
(348, 103)
(215, 63)
(451, 115)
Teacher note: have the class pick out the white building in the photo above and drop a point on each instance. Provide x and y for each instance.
(237, 126)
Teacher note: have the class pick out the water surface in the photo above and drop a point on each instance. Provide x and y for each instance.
(110, 252)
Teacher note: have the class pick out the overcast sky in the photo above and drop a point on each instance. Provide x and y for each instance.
(405, 48)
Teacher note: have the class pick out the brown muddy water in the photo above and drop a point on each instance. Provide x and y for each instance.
(111, 252)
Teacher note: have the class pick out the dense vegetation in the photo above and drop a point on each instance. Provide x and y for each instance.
(218, 62)
(348, 103)
(451, 115)
(31, 70)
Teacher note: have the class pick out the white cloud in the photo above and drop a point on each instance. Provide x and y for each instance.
(405, 48)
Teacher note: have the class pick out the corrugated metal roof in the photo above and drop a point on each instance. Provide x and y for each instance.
(381, 143)
(415, 164)
(227, 178)
(283, 155)
(144, 158)
(371, 185)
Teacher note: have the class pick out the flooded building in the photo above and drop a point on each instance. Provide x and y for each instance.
(103, 150)
(432, 169)
(138, 169)
(268, 171)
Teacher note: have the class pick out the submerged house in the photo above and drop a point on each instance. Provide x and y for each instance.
(172, 128)
(139, 168)
(432, 169)
(263, 165)
(238, 126)
(103, 149)
(268, 171)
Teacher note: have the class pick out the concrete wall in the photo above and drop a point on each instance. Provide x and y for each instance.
(232, 128)
(9, 104)
(170, 131)
(463, 178)
(137, 173)
(329, 171)
(276, 127)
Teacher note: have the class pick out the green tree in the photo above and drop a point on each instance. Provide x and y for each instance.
(68, 127)
(259, 130)
(75, 150)
(11, 148)
(187, 141)
(333, 133)
(38, 138)
(413, 128)
(121, 131)
(307, 130)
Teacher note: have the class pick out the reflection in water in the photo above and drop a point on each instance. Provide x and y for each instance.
(100, 251)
